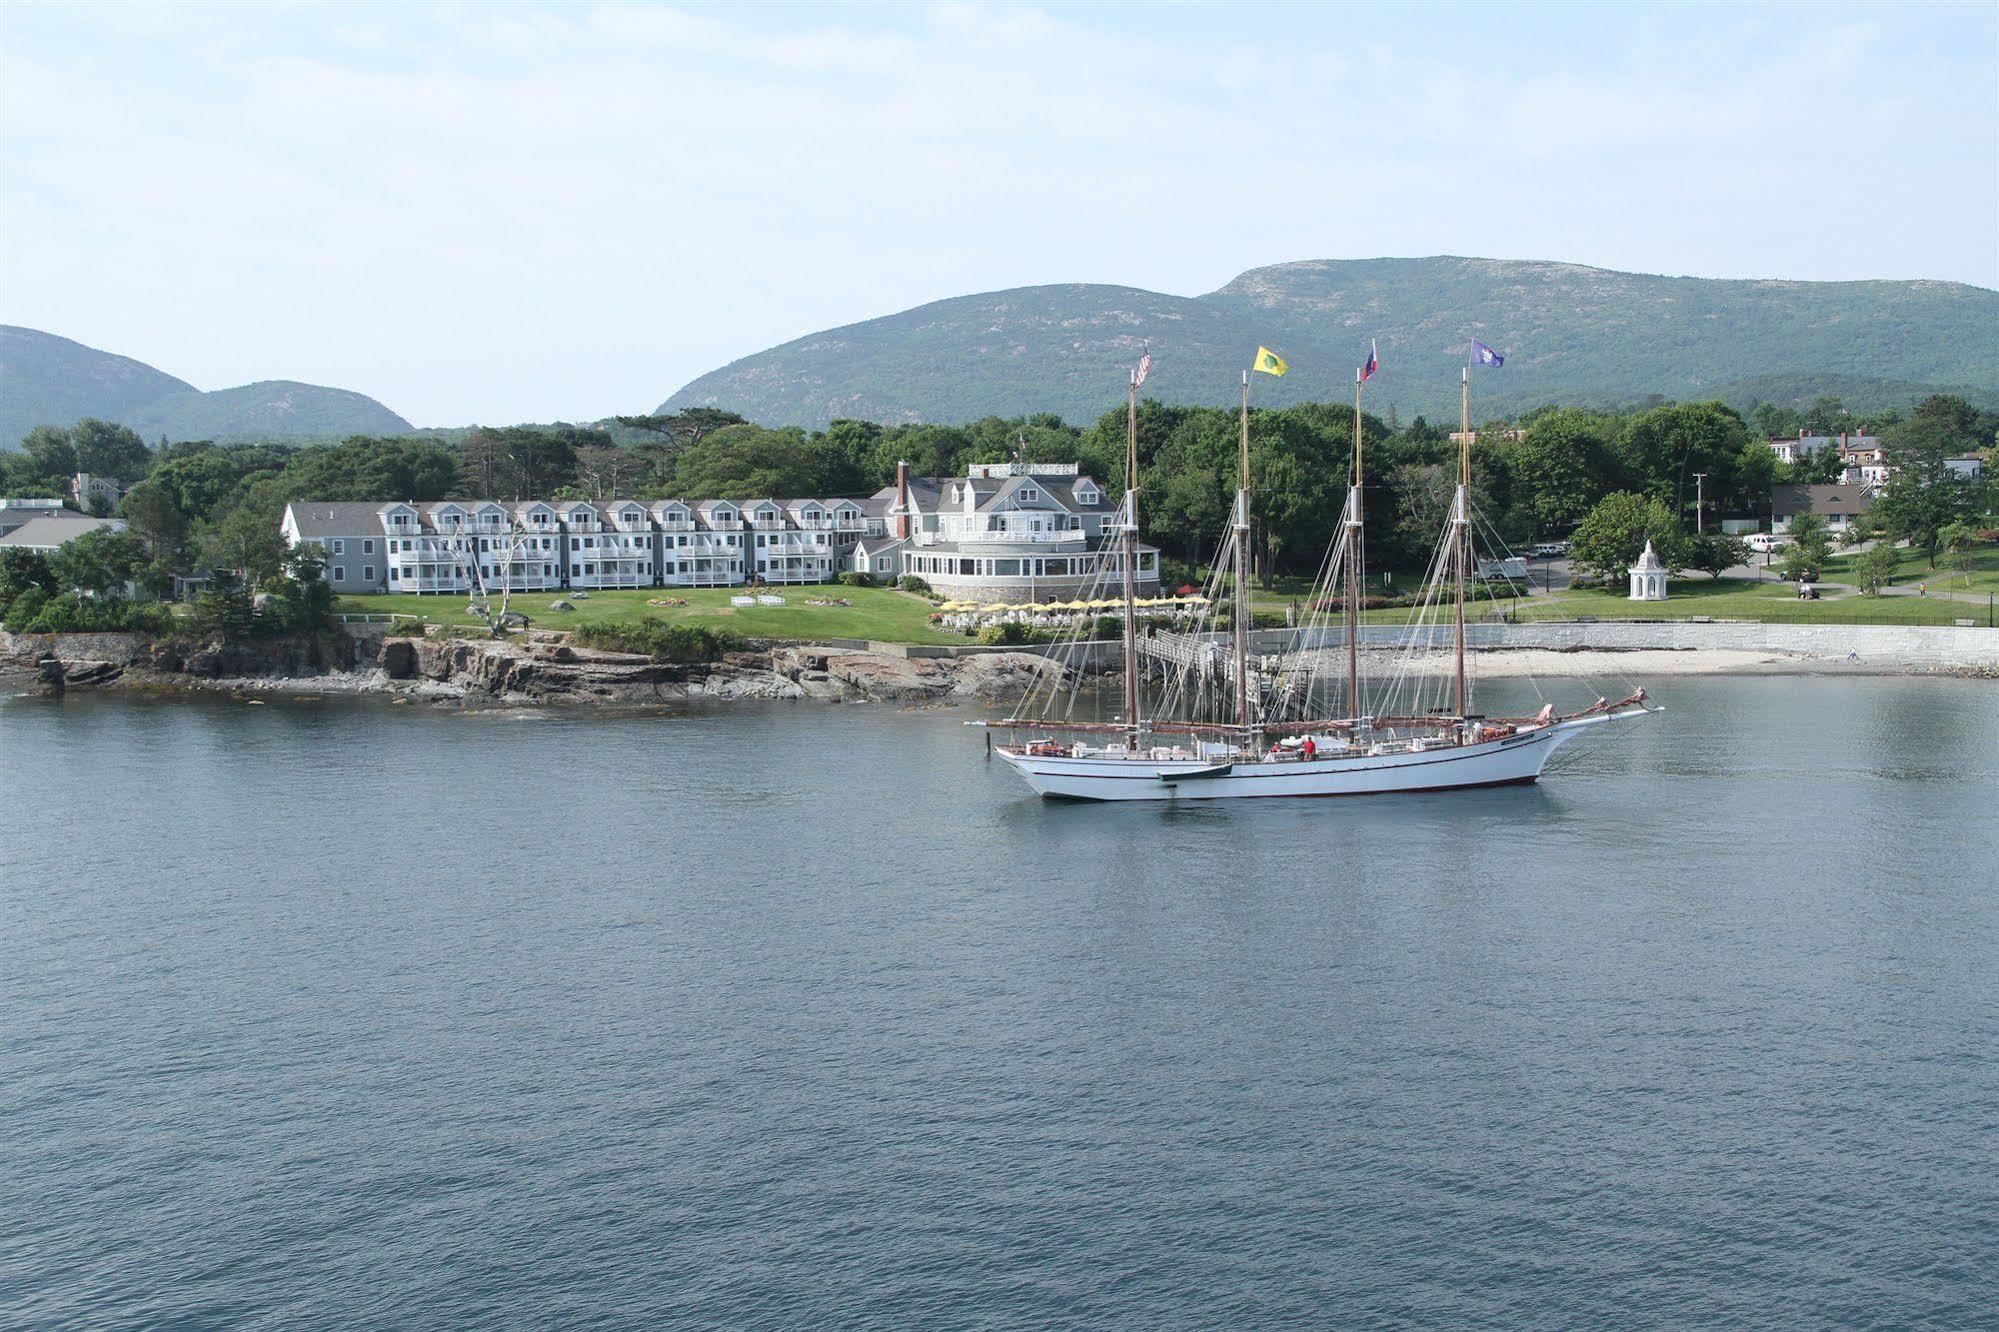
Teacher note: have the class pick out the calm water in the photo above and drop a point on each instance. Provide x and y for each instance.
(338, 1014)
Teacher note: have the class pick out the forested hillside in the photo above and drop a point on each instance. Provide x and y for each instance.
(1571, 335)
(52, 381)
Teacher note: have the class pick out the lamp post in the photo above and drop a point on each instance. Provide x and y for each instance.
(1700, 501)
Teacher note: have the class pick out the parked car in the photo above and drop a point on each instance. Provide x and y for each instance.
(1548, 550)
(1765, 542)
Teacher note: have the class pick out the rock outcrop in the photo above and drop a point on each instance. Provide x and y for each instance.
(540, 668)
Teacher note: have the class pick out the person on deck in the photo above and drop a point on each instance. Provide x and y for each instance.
(1311, 748)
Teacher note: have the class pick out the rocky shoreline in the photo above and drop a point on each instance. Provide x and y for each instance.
(545, 668)
(472, 672)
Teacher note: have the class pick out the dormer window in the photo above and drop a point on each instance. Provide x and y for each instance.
(1028, 493)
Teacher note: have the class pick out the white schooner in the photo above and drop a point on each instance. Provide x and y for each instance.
(1227, 722)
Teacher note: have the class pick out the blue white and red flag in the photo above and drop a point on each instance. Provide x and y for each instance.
(1373, 363)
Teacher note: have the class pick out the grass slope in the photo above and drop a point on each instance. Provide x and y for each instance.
(889, 617)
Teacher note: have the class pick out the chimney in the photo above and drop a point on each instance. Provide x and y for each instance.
(901, 500)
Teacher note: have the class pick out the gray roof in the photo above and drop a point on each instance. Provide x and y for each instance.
(49, 533)
(321, 519)
(1789, 501)
(875, 545)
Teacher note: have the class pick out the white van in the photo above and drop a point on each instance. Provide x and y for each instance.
(1765, 542)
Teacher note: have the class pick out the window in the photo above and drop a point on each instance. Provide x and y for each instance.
(339, 574)
(368, 547)
(368, 572)
(339, 547)
(395, 574)
(1028, 493)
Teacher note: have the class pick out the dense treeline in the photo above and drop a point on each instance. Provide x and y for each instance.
(206, 506)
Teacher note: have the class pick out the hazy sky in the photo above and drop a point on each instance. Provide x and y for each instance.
(515, 213)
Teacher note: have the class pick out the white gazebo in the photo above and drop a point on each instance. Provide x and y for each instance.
(1648, 576)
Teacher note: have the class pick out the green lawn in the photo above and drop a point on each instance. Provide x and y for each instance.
(1912, 567)
(890, 617)
(1745, 599)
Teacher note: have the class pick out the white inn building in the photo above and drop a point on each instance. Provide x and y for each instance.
(1024, 532)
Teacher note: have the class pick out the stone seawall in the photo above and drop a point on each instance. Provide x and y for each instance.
(1912, 647)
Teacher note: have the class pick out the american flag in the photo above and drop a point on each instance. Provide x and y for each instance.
(1144, 367)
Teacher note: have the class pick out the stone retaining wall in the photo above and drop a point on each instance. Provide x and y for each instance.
(1912, 645)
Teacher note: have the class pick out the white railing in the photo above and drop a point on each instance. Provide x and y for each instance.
(1002, 536)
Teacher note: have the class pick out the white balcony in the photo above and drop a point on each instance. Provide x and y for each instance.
(1008, 537)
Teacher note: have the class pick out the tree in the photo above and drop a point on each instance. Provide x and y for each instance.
(605, 470)
(301, 598)
(105, 449)
(1809, 549)
(747, 462)
(51, 450)
(224, 609)
(1614, 534)
(1875, 568)
(1666, 446)
(1564, 466)
(1824, 416)
(151, 513)
(247, 542)
(1714, 553)
(1924, 497)
(23, 569)
(688, 427)
(98, 563)
(1958, 541)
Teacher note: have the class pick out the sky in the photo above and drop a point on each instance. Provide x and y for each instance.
(486, 213)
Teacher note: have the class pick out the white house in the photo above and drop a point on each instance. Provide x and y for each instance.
(1010, 531)
(1034, 532)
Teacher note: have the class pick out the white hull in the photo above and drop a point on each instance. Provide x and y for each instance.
(1507, 761)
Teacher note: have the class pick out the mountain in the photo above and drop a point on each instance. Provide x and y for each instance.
(47, 380)
(1570, 334)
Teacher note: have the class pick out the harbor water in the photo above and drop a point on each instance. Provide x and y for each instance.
(342, 1014)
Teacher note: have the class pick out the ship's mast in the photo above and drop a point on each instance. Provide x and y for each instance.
(1241, 536)
(1355, 575)
(1461, 528)
(1130, 546)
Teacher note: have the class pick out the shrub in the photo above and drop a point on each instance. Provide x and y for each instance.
(1002, 635)
(857, 580)
(911, 583)
(99, 615)
(27, 603)
(662, 640)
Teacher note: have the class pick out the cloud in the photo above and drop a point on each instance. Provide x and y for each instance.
(513, 213)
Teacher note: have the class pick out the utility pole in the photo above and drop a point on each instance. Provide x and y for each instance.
(1700, 501)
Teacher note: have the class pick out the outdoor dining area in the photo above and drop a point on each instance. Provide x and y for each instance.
(969, 616)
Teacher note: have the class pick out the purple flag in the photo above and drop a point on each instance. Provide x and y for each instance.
(1485, 355)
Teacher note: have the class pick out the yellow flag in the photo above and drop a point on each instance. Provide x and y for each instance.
(1269, 362)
